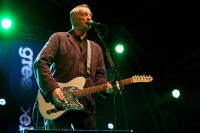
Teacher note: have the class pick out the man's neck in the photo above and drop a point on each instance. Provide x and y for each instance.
(80, 33)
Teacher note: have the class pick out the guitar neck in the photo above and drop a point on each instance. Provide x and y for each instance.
(98, 88)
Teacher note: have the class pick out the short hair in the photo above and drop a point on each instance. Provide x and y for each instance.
(76, 9)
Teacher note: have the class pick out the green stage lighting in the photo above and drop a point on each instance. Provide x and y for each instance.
(6, 23)
(119, 48)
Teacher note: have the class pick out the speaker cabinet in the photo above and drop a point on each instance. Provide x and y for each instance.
(76, 131)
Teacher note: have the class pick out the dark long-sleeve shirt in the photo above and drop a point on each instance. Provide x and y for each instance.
(61, 60)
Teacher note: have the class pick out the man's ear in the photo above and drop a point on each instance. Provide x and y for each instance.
(74, 20)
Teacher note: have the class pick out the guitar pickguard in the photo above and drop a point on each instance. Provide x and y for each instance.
(70, 102)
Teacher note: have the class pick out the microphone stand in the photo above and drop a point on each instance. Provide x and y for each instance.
(117, 79)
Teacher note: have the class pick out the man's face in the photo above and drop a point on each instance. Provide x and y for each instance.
(82, 17)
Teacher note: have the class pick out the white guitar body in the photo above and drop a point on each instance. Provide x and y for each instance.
(73, 103)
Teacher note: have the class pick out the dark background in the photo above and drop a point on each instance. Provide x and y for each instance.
(160, 40)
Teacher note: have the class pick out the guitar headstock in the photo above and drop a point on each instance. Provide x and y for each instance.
(142, 78)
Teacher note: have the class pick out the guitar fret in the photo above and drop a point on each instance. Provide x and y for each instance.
(127, 81)
(90, 90)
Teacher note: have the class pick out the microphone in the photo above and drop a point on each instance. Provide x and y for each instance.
(95, 24)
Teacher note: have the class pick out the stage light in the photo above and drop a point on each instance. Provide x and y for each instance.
(119, 48)
(176, 93)
(2, 101)
(6, 23)
(110, 126)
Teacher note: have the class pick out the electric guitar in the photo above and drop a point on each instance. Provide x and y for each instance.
(71, 92)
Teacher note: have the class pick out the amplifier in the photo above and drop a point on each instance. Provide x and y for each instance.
(75, 131)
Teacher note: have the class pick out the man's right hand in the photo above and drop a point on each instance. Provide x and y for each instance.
(57, 95)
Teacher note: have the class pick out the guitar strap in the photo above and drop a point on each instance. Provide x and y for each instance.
(88, 57)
